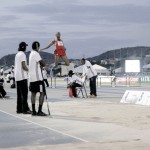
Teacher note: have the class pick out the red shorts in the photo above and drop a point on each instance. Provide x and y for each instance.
(60, 52)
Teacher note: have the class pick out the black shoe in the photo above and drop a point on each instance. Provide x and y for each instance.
(41, 114)
(19, 112)
(6, 96)
(27, 112)
(34, 113)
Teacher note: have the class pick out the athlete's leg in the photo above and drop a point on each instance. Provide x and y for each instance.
(56, 60)
(65, 59)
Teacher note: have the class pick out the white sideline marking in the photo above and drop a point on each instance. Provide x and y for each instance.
(47, 127)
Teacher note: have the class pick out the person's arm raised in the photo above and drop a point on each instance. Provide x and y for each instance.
(48, 46)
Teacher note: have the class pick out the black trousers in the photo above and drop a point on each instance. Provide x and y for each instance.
(73, 87)
(93, 86)
(22, 96)
(2, 91)
(47, 84)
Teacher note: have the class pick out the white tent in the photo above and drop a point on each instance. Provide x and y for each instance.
(118, 70)
(7, 70)
(78, 69)
(100, 69)
(65, 69)
(146, 66)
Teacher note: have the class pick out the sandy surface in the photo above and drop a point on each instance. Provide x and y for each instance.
(124, 145)
(127, 115)
(124, 115)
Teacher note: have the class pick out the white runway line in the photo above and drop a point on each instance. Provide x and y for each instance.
(77, 138)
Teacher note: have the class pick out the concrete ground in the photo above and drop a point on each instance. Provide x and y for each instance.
(76, 123)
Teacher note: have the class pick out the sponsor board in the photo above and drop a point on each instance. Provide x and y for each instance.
(136, 97)
(127, 79)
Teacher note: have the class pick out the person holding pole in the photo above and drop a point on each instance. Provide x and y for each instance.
(36, 79)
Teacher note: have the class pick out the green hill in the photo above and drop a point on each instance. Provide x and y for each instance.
(8, 60)
(106, 59)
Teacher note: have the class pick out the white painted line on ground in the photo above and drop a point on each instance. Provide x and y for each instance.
(80, 139)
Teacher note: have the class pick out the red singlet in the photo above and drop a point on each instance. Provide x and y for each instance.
(60, 49)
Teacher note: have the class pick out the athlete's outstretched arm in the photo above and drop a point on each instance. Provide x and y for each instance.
(48, 46)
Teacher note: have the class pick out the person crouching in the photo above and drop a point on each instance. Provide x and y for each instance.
(73, 82)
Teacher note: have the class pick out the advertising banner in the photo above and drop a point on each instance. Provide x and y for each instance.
(136, 97)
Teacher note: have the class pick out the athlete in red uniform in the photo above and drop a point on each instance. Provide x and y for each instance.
(60, 51)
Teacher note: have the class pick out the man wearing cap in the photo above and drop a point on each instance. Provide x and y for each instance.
(21, 70)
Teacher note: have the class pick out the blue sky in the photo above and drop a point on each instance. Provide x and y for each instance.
(88, 27)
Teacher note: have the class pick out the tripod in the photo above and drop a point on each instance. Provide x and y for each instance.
(83, 87)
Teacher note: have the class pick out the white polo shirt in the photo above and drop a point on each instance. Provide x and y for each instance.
(19, 72)
(35, 73)
(88, 70)
(75, 79)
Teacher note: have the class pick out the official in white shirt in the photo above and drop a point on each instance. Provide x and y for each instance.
(20, 74)
(91, 74)
(36, 79)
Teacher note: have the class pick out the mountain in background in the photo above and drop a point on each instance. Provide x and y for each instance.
(8, 60)
(115, 58)
(123, 53)
(105, 59)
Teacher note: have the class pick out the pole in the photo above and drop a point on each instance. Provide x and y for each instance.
(47, 102)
